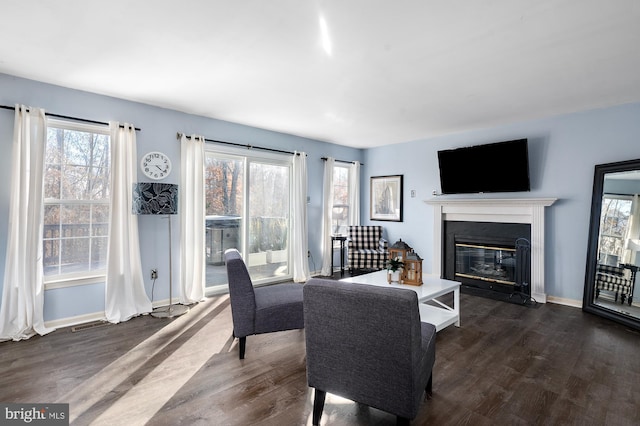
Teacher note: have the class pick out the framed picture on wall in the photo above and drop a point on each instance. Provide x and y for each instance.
(386, 198)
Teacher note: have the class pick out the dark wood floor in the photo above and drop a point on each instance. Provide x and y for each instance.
(506, 365)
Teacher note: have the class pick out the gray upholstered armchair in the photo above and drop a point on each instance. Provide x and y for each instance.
(260, 310)
(367, 344)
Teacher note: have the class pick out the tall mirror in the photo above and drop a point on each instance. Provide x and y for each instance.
(613, 255)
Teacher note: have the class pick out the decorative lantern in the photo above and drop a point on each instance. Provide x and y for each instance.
(412, 274)
(399, 250)
(412, 270)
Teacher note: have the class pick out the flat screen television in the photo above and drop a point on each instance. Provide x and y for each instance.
(494, 167)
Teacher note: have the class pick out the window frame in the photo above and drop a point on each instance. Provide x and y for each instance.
(347, 169)
(247, 158)
(72, 279)
(604, 234)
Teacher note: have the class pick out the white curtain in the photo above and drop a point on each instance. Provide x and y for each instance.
(354, 194)
(299, 235)
(192, 220)
(21, 312)
(327, 214)
(125, 295)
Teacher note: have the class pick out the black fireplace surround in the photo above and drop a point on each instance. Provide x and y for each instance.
(485, 258)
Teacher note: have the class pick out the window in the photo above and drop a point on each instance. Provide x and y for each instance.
(76, 201)
(614, 223)
(340, 211)
(248, 203)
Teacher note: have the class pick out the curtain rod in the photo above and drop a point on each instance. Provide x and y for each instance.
(341, 161)
(67, 117)
(179, 135)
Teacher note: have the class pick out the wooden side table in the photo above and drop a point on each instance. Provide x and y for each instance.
(342, 239)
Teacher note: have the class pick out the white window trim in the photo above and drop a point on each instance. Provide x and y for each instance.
(79, 127)
(346, 166)
(73, 280)
(80, 278)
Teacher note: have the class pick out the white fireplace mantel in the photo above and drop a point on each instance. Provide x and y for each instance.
(502, 210)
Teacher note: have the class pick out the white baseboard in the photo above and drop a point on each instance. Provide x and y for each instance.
(79, 319)
(215, 291)
(95, 316)
(164, 302)
(567, 302)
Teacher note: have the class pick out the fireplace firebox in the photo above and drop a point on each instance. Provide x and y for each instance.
(486, 263)
(488, 258)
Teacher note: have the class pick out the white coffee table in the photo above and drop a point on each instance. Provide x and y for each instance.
(442, 315)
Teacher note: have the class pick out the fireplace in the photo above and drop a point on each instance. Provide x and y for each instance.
(492, 259)
(529, 211)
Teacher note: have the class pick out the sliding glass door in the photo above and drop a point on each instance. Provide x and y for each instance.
(248, 208)
(223, 191)
(268, 204)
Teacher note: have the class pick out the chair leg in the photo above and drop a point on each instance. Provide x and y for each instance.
(429, 388)
(243, 346)
(403, 421)
(318, 406)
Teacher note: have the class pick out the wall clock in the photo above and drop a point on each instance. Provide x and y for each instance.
(155, 165)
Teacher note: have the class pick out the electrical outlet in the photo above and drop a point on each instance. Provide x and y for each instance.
(154, 274)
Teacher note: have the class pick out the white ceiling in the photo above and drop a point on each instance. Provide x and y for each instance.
(388, 71)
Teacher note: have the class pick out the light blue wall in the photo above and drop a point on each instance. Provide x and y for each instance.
(159, 127)
(563, 151)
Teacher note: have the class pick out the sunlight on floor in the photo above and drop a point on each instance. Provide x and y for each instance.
(135, 405)
(332, 412)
